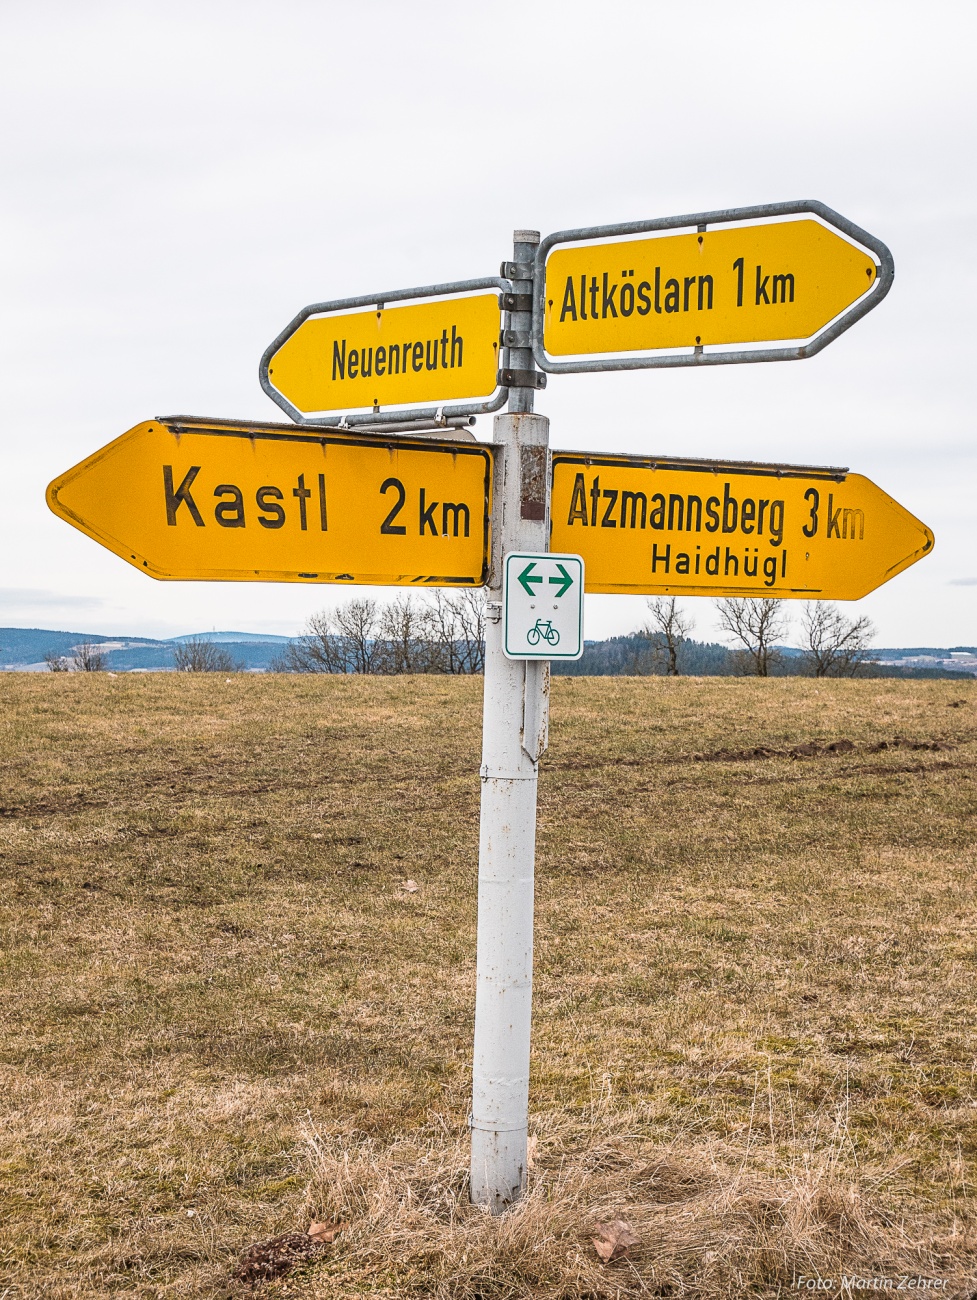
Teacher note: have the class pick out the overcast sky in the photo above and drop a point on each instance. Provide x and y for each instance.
(179, 179)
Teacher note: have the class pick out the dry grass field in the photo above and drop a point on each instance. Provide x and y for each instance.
(224, 1017)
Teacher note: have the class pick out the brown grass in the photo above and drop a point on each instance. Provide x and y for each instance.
(754, 1031)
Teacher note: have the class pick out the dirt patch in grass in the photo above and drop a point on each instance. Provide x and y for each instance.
(225, 1017)
(811, 749)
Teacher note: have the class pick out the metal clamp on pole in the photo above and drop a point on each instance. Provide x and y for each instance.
(516, 301)
(509, 378)
(516, 271)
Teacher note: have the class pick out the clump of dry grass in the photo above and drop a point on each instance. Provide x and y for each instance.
(708, 1224)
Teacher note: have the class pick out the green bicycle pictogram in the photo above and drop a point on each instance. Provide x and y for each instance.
(543, 630)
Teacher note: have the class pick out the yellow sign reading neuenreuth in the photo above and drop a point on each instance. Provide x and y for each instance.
(190, 500)
(439, 351)
(699, 528)
(746, 284)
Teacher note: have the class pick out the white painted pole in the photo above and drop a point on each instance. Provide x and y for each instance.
(514, 729)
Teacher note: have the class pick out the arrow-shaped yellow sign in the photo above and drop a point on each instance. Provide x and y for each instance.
(714, 528)
(705, 297)
(218, 501)
(446, 350)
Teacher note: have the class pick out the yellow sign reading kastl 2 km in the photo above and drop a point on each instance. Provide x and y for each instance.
(435, 351)
(746, 284)
(192, 500)
(702, 528)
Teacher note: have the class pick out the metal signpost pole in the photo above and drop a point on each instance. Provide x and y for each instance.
(514, 726)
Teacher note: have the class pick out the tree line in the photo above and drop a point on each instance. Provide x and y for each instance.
(831, 645)
(444, 632)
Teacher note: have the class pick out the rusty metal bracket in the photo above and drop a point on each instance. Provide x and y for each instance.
(522, 379)
(533, 481)
(516, 301)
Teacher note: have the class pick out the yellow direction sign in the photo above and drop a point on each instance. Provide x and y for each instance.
(260, 503)
(708, 528)
(440, 351)
(720, 285)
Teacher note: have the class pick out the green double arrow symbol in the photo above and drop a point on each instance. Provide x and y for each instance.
(527, 577)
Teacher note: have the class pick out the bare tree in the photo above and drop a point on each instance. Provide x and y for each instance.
(469, 609)
(358, 625)
(669, 627)
(403, 644)
(89, 659)
(198, 655)
(343, 640)
(317, 650)
(756, 624)
(455, 627)
(57, 663)
(834, 646)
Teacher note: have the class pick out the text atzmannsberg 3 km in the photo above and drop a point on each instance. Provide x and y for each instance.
(695, 528)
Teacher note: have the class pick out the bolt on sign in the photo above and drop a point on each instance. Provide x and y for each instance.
(718, 286)
(215, 501)
(702, 528)
(365, 355)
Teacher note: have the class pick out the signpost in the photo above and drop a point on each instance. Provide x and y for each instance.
(542, 599)
(212, 501)
(715, 528)
(224, 500)
(753, 280)
(362, 355)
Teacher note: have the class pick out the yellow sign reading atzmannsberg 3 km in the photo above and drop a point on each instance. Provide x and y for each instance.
(700, 528)
(261, 504)
(435, 351)
(747, 284)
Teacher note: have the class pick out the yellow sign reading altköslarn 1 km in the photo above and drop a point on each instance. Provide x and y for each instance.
(745, 284)
(442, 350)
(701, 528)
(193, 500)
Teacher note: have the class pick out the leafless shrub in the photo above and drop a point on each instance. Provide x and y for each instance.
(89, 659)
(755, 624)
(834, 646)
(197, 655)
(57, 663)
(669, 627)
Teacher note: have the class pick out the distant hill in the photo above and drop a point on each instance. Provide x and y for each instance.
(934, 652)
(238, 638)
(25, 648)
